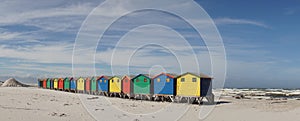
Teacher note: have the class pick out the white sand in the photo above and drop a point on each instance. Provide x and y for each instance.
(32, 104)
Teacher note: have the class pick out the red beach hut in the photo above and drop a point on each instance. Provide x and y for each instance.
(61, 84)
(45, 83)
(126, 86)
(88, 85)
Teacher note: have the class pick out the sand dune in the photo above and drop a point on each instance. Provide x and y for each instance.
(11, 82)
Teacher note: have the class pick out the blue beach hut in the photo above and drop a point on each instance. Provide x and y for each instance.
(163, 86)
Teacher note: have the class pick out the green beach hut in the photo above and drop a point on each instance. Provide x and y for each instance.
(67, 84)
(93, 85)
(140, 86)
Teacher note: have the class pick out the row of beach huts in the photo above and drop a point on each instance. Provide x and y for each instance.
(188, 87)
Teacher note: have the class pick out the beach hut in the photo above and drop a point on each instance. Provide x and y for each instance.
(51, 83)
(67, 84)
(190, 87)
(48, 83)
(80, 85)
(61, 84)
(73, 84)
(87, 85)
(125, 89)
(94, 85)
(40, 83)
(55, 83)
(44, 84)
(163, 86)
(103, 85)
(140, 86)
(115, 86)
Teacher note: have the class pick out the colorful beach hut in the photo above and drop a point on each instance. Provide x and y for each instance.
(94, 85)
(48, 83)
(188, 85)
(103, 84)
(67, 84)
(115, 86)
(55, 83)
(140, 86)
(40, 83)
(73, 84)
(61, 84)
(51, 83)
(125, 88)
(163, 86)
(44, 83)
(80, 85)
(194, 87)
(87, 85)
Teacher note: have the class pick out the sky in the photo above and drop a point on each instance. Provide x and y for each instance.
(260, 38)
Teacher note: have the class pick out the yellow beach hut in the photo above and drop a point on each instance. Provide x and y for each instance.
(188, 85)
(80, 85)
(55, 83)
(115, 86)
(194, 87)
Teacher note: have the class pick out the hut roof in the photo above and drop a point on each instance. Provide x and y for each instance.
(103, 76)
(146, 75)
(167, 74)
(201, 75)
(129, 76)
(120, 77)
(188, 73)
(205, 76)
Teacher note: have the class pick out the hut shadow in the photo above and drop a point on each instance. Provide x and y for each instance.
(215, 103)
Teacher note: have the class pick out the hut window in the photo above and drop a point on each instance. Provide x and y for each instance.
(194, 80)
(126, 80)
(118, 80)
(158, 79)
(112, 81)
(145, 80)
(137, 80)
(182, 79)
(168, 80)
(104, 81)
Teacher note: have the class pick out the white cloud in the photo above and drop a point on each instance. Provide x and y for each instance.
(57, 18)
(9, 35)
(224, 21)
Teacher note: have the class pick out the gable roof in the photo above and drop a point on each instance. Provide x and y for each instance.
(145, 75)
(188, 73)
(94, 77)
(115, 76)
(167, 74)
(80, 78)
(130, 76)
(201, 75)
(103, 76)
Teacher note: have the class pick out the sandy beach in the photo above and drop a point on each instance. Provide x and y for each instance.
(32, 104)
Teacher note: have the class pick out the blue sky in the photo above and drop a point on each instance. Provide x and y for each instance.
(260, 38)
